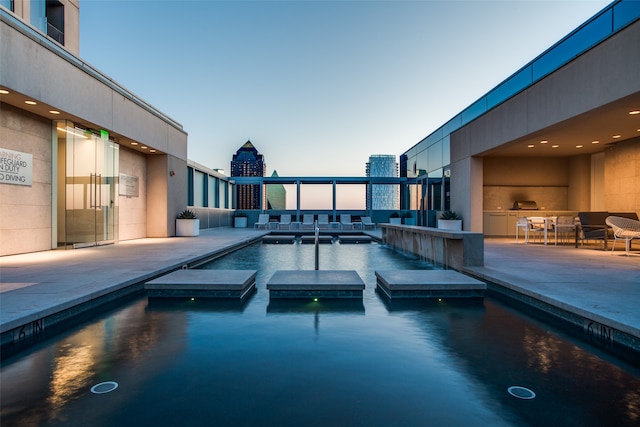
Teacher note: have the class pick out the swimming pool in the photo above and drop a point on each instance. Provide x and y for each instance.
(274, 363)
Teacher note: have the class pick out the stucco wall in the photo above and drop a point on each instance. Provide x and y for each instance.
(622, 176)
(25, 211)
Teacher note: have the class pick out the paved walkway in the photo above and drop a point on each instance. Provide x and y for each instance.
(587, 281)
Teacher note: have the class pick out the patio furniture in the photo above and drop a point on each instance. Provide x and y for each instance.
(323, 221)
(540, 225)
(623, 229)
(565, 225)
(345, 221)
(307, 221)
(592, 226)
(523, 224)
(263, 221)
(367, 223)
(285, 221)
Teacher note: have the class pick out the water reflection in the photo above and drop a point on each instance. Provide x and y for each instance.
(285, 362)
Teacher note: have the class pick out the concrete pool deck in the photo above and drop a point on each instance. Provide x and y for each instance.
(586, 282)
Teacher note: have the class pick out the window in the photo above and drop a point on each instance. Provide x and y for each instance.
(55, 21)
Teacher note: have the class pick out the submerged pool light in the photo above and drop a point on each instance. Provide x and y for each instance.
(105, 387)
(521, 392)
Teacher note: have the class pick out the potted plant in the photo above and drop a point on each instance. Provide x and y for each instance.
(394, 218)
(450, 220)
(240, 220)
(408, 218)
(187, 224)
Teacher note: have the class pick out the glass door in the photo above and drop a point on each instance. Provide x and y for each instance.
(88, 201)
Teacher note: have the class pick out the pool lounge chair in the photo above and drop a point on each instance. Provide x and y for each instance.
(323, 221)
(623, 229)
(367, 223)
(285, 222)
(307, 222)
(263, 221)
(345, 222)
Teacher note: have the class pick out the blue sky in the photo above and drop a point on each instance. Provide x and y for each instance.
(316, 86)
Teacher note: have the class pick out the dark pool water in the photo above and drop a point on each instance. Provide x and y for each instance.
(324, 363)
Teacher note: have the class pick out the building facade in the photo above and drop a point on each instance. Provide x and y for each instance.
(84, 161)
(276, 195)
(563, 131)
(248, 162)
(382, 196)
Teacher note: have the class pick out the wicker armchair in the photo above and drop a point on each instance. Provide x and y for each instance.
(623, 229)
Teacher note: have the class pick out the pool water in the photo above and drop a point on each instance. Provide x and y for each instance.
(324, 363)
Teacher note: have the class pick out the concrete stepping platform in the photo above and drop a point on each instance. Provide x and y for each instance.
(234, 284)
(315, 284)
(312, 239)
(277, 239)
(355, 239)
(428, 284)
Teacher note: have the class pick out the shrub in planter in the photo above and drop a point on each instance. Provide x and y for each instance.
(408, 218)
(240, 220)
(450, 220)
(187, 224)
(394, 218)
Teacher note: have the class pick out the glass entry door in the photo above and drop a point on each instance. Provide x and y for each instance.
(91, 171)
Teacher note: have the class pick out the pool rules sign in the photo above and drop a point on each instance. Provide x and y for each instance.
(15, 167)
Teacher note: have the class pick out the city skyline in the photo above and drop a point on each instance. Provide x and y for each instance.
(318, 86)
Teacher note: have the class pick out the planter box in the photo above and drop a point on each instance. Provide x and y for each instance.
(450, 224)
(395, 220)
(240, 222)
(187, 227)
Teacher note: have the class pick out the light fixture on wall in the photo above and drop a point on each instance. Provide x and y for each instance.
(172, 172)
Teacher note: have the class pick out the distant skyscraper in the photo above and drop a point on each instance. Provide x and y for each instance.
(248, 162)
(383, 196)
(276, 195)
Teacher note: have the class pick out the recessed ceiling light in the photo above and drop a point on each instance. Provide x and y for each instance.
(54, 112)
(530, 146)
(578, 146)
(634, 112)
(134, 143)
(595, 142)
(4, 92)
(144, 147)
(30, 102)
(152, 151)
(555, 146)
(544, 141)
(616, 136)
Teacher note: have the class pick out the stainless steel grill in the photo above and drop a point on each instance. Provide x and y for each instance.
(529, 205)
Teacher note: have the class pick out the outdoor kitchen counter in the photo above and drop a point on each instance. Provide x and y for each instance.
(502, 223)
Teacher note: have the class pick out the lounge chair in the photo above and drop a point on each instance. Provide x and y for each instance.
(592, 226)
(263, 221)
(623, 229)
(323, 221)
(285, 222)
(345, 221)
(307, 221)
(367, 223)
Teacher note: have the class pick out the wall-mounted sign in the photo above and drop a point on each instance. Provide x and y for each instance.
(15, 167)
(128, 185)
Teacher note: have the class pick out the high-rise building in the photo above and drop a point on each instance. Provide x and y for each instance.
(248, 162)
(383, 196)
(276, 195)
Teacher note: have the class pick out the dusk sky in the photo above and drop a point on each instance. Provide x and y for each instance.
(316, 86)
